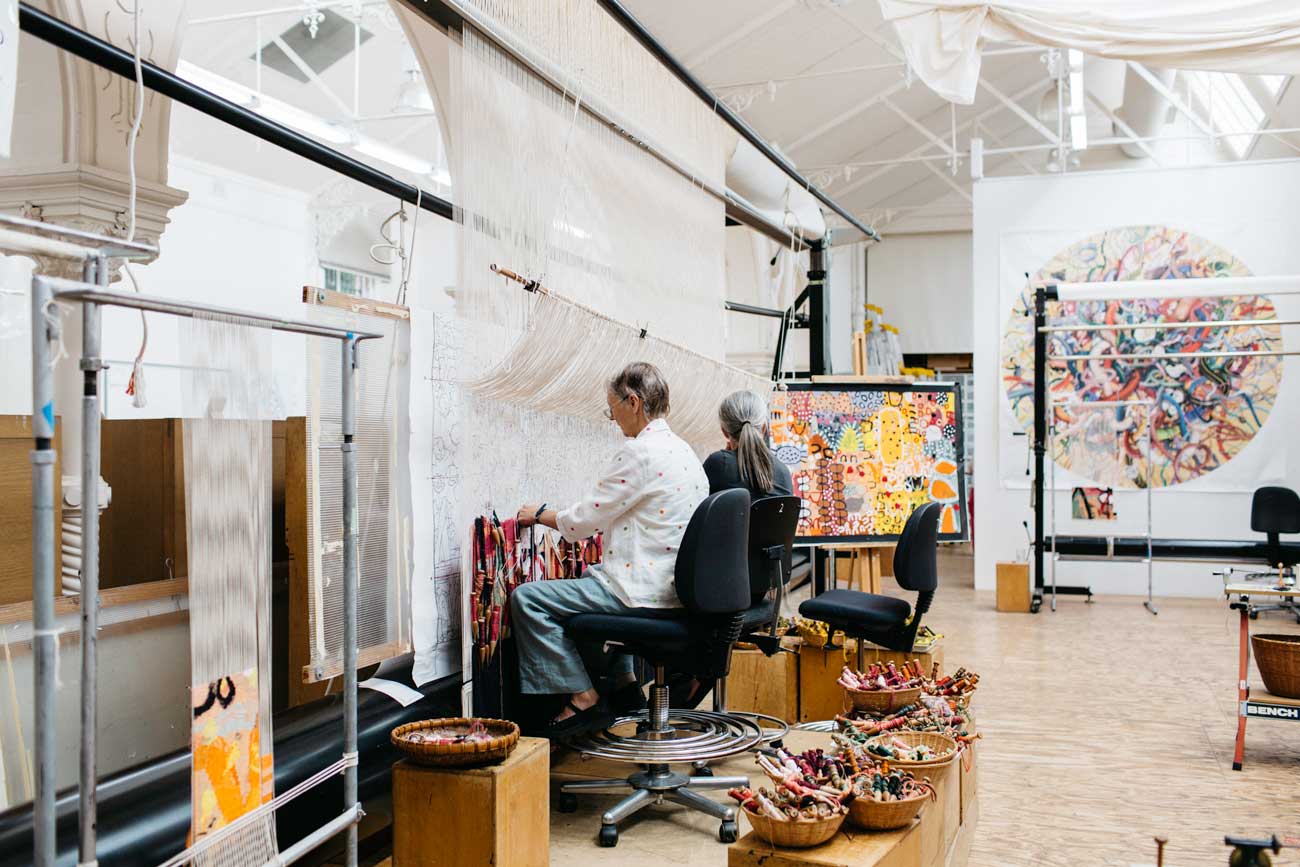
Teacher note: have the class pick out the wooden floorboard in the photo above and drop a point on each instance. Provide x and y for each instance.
(1103, 727)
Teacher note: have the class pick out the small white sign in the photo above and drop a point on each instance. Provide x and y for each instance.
(8, 71)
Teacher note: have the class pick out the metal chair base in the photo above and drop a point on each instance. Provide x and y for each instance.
(660, 736)
(654, 785)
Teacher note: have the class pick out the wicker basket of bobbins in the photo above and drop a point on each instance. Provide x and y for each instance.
(456, 742)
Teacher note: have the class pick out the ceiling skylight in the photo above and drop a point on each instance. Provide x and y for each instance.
(1231, 106)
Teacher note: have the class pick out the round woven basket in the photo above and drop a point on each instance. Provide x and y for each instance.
(798, 834)
(939, 743)
(872, 815)
(882, 700)
(1278, 658)
(458, 755)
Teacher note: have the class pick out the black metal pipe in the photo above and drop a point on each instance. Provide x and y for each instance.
(144, 812)
(1135, 548)
(737, 307)
(1039, 440)
(819, 356)
(104, 54)
(637, 29)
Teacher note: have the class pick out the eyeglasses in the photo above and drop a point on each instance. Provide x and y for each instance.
(609, 413)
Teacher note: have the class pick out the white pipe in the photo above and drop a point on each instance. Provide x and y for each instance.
(1192, 287)
(21, 242)
(1169, 356)
(1164, 326)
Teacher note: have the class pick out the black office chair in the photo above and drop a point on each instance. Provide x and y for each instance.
(886, 620)
(712, 582)
(773, 522)
(1274, 511)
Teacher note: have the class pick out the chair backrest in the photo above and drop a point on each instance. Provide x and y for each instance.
(1275, 510)
(773, 522)
(916, 557)
(712, 572)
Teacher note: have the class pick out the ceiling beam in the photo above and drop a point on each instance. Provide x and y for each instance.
(736, 36)
(1014, 106)
(844, 117)
(917, 151)
(916, 125)
(315, 79)
(947, 179)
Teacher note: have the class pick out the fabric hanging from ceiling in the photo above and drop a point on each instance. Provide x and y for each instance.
(942, 38)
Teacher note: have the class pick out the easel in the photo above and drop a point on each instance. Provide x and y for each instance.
(867, 564)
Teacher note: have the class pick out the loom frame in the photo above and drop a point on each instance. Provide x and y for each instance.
(1114, 290)
(93, 296)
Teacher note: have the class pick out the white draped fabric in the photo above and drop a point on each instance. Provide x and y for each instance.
(942, 38)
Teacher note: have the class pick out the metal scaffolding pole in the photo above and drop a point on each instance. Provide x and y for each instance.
(95, 271)
(349, 424)
(45, 327)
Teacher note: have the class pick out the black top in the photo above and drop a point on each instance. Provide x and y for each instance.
(724, 474)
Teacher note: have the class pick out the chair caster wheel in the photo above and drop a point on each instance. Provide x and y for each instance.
(1254, 615)
(705, 771)
(728, 832)
(568, 802)
(608, 836)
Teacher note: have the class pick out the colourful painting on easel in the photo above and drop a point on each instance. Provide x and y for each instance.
(231, 775)
(1092, 504)
(1203, 411)
(863, 457)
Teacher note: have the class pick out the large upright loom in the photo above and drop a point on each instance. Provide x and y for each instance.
(227, 453)
(587, 245)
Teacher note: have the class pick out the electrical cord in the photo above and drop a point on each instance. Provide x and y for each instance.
(135, 385)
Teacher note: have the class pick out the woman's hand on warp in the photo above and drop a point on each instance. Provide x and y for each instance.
(528, 515)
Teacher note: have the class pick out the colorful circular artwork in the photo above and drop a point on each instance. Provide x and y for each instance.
(1203, 411)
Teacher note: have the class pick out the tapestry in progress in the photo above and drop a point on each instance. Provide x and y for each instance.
(1203, 411)
(863, 457)
(229, 773)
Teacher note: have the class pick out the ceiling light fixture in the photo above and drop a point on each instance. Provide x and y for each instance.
(413, 96)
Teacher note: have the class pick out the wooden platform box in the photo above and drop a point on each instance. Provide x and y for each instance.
(820, 697)
(940, 819)
(454, 817)
(1013, 588)
(765, 684)
(969, 781)
(848, 848)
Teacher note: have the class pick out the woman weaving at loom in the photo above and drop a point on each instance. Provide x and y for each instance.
(747, 462)
(642, 503)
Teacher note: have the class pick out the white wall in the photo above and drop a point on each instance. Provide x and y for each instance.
(923, 283)
(1247, 208)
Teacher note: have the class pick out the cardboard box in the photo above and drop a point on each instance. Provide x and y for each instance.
(765, 684)
(1013, 587)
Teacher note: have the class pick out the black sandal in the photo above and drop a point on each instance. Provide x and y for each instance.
(580, 722)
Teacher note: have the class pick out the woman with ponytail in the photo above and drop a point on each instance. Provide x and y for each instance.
(747, 461)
